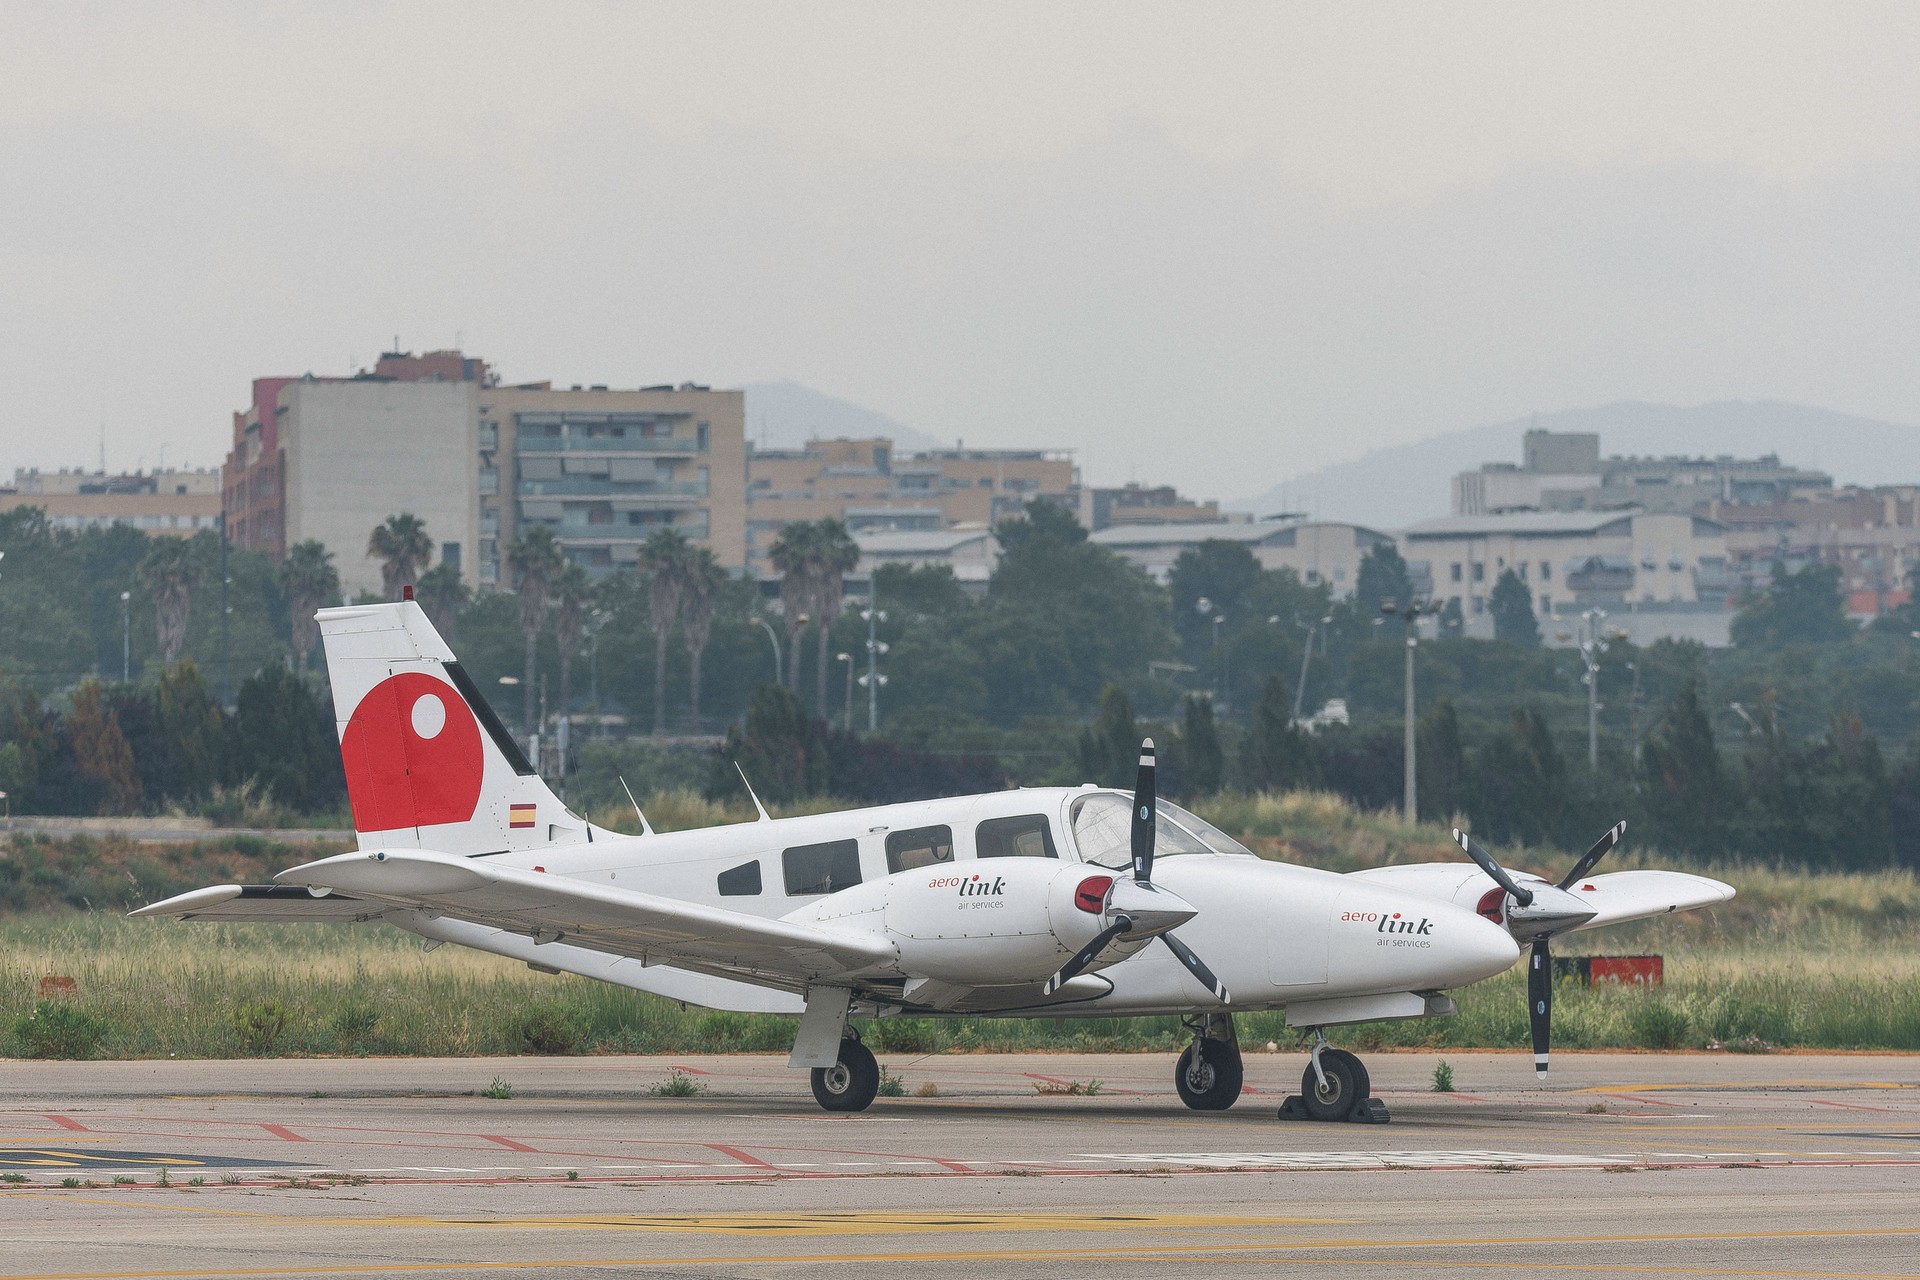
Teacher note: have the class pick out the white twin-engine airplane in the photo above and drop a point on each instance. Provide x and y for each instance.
(1021, 903)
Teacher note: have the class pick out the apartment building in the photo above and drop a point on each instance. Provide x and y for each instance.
(1574, 560)
(438, 436)
(167, 503)
(865, 483)
(1135, 503)
(605, 468)
(1563, 471)
(1319, 551)
(1871, 534)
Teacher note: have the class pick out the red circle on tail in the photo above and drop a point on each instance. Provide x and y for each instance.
(409, 761)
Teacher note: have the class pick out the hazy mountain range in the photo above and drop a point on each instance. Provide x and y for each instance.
(1393, 487)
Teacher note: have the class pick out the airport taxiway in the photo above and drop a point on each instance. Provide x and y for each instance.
(1678, 1164)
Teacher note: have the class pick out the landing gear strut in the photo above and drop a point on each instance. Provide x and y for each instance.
(1334, 1087)
(851, 1083)
(1209, 1072)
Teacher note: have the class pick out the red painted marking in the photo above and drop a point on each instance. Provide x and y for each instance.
(395, 777)
(737, 1154)
(1652, 1102)
(66, 1122)
(509, 1143)
(1850, 1106)
(692, 1071)
(281, 1131)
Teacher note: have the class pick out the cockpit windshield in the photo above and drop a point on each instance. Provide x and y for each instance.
(1208, 834)
(1103, 831)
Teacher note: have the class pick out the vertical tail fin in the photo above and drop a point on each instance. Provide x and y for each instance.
(428, 763)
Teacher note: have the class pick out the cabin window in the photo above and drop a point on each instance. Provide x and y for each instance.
(742, 881)
(1027, 836)
(821, 868)
(919, 847)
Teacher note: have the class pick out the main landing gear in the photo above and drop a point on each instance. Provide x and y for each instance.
(1209, 1072)
(851, 1083)
(1334, 1087)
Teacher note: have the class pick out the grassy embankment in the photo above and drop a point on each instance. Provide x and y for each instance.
(1797, 960)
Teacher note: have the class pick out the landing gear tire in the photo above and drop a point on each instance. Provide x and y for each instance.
(849, 1084)
(1346, 1088)
(1208, 1075)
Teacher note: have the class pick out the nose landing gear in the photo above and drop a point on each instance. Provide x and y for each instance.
(1334, 1087)
(1209, 1072)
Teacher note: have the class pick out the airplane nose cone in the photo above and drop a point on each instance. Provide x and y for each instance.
(1467, 948)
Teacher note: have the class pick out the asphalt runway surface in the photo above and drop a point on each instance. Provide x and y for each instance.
(1625, 1164)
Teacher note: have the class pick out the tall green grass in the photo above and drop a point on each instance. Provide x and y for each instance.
(1799, 959)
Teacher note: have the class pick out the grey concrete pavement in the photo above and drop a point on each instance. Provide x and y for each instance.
(1624, 1164)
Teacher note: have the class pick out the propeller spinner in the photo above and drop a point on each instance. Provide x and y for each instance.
(1538, 913)
(1138, 908)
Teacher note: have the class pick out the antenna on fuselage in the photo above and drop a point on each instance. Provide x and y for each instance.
(646, 828)
(764, 815)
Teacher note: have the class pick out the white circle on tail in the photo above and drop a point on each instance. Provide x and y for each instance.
(429, 715)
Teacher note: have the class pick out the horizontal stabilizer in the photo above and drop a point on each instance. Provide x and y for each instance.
(262, 904)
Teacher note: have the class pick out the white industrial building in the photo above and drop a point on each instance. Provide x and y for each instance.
(1318, 550)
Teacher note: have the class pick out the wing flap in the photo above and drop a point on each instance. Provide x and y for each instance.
(643, 926)
(263, 904)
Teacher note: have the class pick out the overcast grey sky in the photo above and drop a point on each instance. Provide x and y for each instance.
(1212, 244)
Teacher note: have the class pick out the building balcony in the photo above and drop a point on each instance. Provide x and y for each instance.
(604, 445)
(599, 487)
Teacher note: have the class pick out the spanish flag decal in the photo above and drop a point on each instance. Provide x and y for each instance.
(520, 815)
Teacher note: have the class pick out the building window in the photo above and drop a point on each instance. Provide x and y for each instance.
(1479, 571)
(450, 555)
(1546, 571)
(1456, 571)
(1546, 605)
(1479, 605)
(1522, 566)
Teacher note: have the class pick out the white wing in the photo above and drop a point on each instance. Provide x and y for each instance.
(642, 926)
(1615, 897)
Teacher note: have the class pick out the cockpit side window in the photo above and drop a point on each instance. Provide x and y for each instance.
(1208, 834)
(1027, 836)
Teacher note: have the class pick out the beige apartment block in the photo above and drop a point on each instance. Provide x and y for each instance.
(355, 451)
(177, 503)
(606, 468)
(865, 483)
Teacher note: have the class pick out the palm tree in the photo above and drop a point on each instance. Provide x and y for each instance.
(792, 555)
(536, 557)
(572, 600)
(170, 572)
(705, 578)
(402, 547)
(310, 582)
(664, 556)
(442, 593)
(835, 554)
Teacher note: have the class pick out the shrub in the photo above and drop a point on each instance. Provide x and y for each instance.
(678, 1084)
(53, 1029)
(891, 1085)
(259, 1026)
(355, 1024)
(1658, 1025)
(547, 1029)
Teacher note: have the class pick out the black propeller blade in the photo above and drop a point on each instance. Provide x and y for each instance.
(1197, 968)
(1540, 1002)
(1593, 855)
(1143, 815)
(1086, 955)
(1493, 869)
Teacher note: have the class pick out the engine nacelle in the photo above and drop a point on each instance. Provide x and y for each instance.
(1032, 912)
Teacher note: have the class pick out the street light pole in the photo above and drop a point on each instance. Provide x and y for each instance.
(779, 672)
(1590, 650)
(1409, 800)
(848, 659)
(1300, 690)
(873, 679)
(126, 638)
